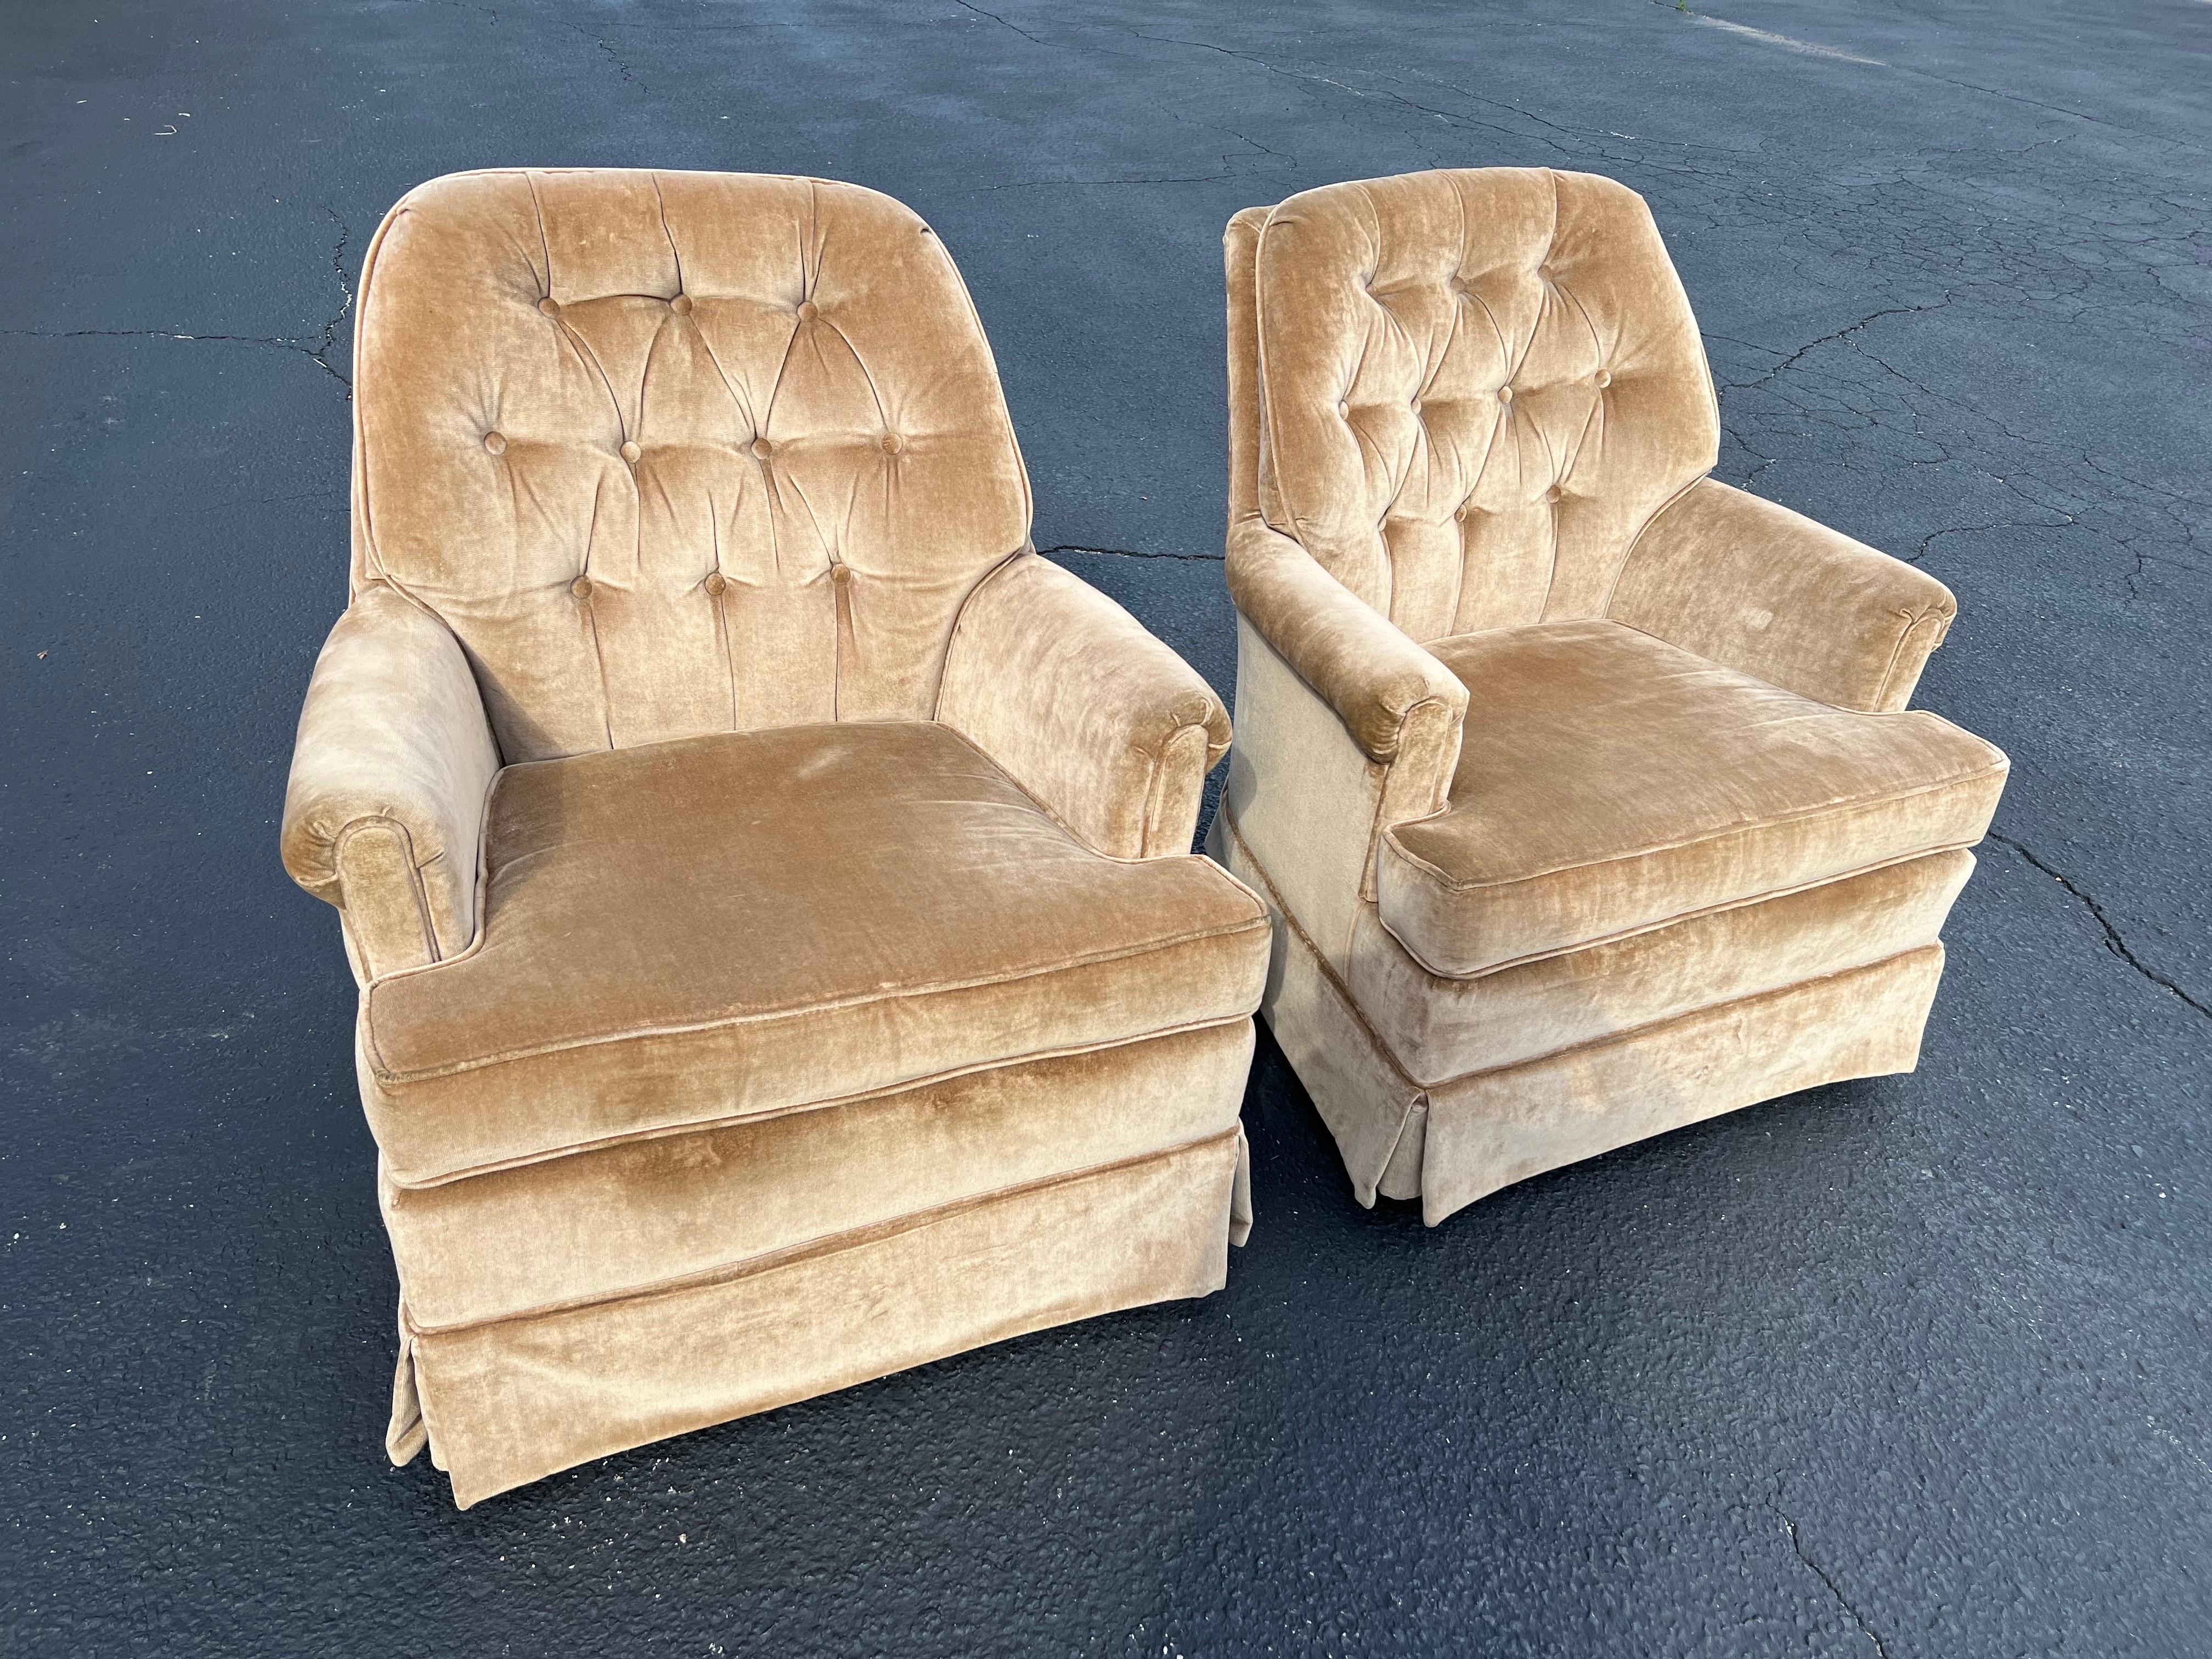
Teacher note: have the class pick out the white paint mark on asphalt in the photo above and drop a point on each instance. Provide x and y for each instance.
(1785, 42)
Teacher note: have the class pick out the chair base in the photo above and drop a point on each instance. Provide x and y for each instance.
(1452, 1142)
(513, 1401)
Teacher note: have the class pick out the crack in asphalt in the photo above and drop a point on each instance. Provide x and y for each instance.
(1792, 360)
(2114, 940)
(1981, 253)
(305, 348)
(345, 286)
(621, 64)
(1935, 536)
(315, 351)
(1136, 553)
(1002, 22)
(1096, 184)
(1797, 1545)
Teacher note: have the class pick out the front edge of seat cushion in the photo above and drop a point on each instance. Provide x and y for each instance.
(726, 926)
(1441, 1029)
(1610, 782)
(663, 1211)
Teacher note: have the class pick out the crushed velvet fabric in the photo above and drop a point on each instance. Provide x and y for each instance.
(1462, 1138)
(928, 918)
(1752, 584)
(1121, 750)
(1616, 782)
(1475, 387)
(674, 453)
(840, 848)
(1441, 1028)
(658, 1211)
(384, 811)
(1377, 681)
(506, 1402)
(1470, 419)
(1488, 1131)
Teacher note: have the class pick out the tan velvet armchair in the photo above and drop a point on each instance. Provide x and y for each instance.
(1581, 785)
(783, 958)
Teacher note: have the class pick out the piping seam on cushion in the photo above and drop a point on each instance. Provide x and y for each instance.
(708, 1126)
(1635, 1033)
(1641, 929)
(2003, 768)
(385, 1075)
(829, 1243)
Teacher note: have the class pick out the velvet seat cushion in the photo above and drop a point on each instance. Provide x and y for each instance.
(724, 926)
(1609, 783)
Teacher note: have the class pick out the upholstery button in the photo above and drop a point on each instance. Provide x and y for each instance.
(581, 587)
(549, 306)
(841, 573)
(496, 442)
(762, 448)
(716, 582)
(631, 452)
(1505, 394)
(806, 311)
(681, 304)
(1461, 514)
(1417, 406)
(1344, 412)
(892, 443)
(1555, 495)
(1604, 378)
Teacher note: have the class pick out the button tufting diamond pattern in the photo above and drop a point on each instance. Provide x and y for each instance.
(1530, 327)
(709, 319)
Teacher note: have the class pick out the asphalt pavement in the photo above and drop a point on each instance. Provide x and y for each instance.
(1915, 1366)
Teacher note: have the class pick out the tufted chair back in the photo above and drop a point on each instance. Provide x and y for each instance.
(1464, 391)
(678, 452)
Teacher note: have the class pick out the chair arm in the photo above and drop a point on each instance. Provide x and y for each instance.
(383, 814)
(1355, 659)
(1750, 584)
(1345, 727)
(1107, 727)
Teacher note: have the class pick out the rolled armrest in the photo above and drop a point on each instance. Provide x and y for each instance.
(1750, 584)
(385, 809)
(1345, 727)
(1354, 658)
(1106, 727)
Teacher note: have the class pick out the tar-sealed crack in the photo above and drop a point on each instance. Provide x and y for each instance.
(2114, 940)
(309, 349)
(1138, 553)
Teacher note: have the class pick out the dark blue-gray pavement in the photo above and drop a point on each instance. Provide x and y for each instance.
(1909, 1367)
